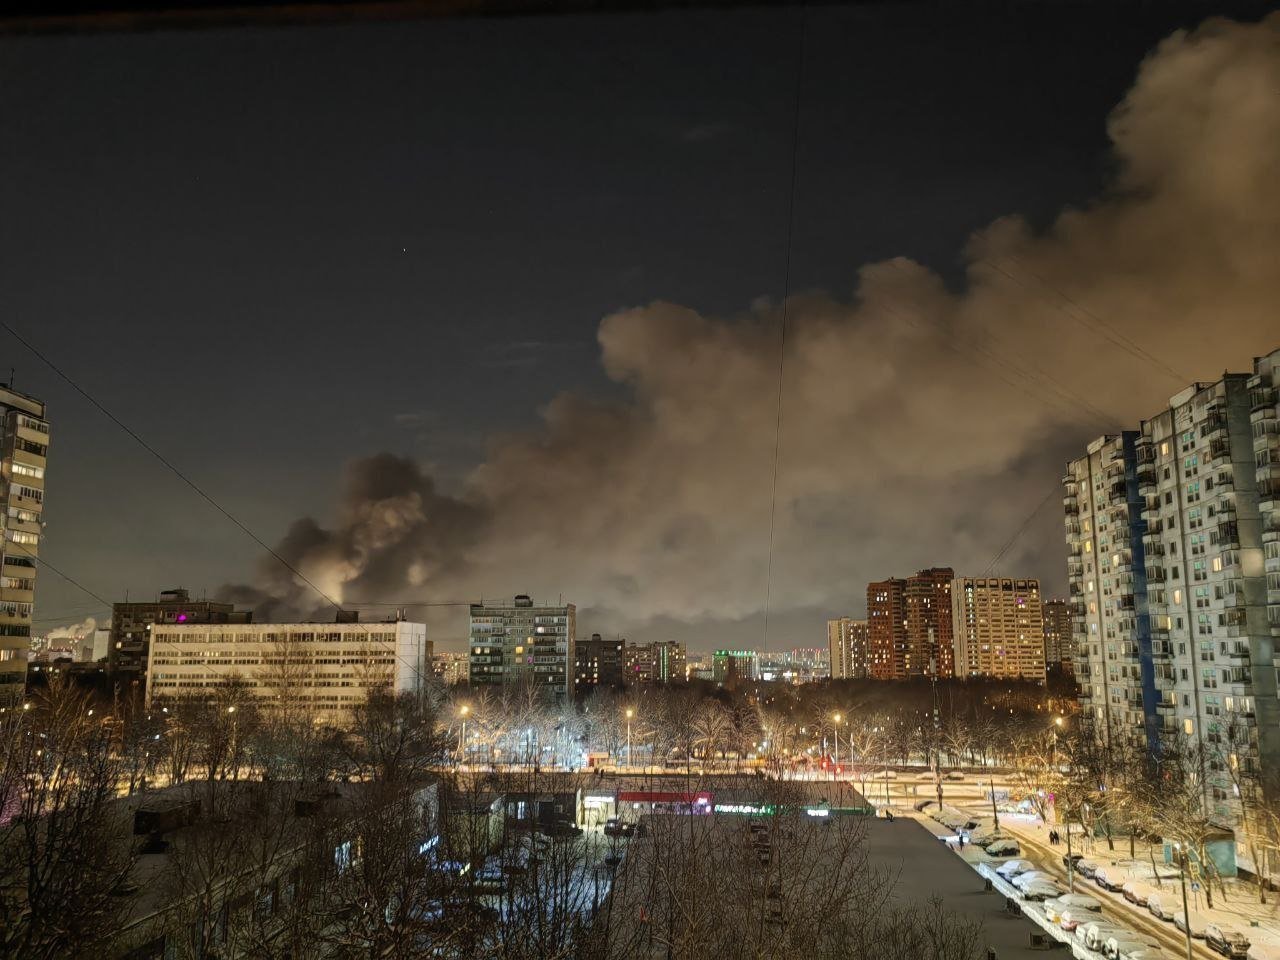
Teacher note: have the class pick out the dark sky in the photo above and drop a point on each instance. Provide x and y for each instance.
(270, 251)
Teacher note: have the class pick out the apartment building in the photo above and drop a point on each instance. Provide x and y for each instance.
(24, 449)
(521, 642)
(729, 665)
(1106, 573)
(325, 668)
(662, 661)
(1205, 461)
(999, 628)
(598, 663)
(132, 624)
(849, 653)
(451, 668)
(1057, 635)
(909, 626)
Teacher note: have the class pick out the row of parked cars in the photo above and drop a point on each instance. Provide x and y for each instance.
(1164, 902)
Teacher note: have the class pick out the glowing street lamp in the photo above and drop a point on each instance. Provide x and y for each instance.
(462, 736)
(630, 713)
(837, 756)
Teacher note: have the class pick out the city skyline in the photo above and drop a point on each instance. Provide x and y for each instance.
(445, 502)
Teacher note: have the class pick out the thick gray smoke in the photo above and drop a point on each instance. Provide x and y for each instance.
(920, 425)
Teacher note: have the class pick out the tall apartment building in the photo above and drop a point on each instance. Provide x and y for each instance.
(326, 669)
(1058, 650)
(1203, 459)
(451, 668)
(909, 626)
(999, 628)
(850, 655)
(520, 642)
(598, 663)
(132, 624)
(728, 665)
(1106, 573)
(662, 661)
(1178, 594)
(24, 449)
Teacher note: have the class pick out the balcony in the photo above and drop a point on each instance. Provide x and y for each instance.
(1225, 480)
(1268, 493)
(1155, 527)
(1155, 575)
(1154, 549)
(1070, 506)
(1262, 398)
(1118, 490)
(1227, 534)
(1219, 449)
(1147, 480)
(1214, 423)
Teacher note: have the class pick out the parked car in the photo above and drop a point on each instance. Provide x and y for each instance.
(1122, 944)
(1070, 860)
(1086, 868)
(1081, 901)
(1136, 892)
(1146, 951)
(1197, 923)
(1163, 904)
(1072, 917)
(1227, 941)
(1041, 890)
(1004, 848)
(885, 775)
(613, 827)
(1011, 868)
(955, 774)
(1110, 878)
(1094, 933)
(1031, 876)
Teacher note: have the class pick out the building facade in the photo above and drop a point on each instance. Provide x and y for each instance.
(132, 625)
(451, 668)
(729, 665)
(848, 651)
(999, 628)
(1175, 580)
(662, 661)
(24, 451)
(909, 626)
(325, 669)
(1057, 635)
(520, 642)
(598, 663)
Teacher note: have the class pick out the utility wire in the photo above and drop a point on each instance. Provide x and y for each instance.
(1021, 530)
(782, 346)
(186, 480)
(42, 562)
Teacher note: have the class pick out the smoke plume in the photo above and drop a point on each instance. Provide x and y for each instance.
(920, 425)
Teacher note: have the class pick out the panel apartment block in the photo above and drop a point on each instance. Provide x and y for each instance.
(999, 628)
(524, 643)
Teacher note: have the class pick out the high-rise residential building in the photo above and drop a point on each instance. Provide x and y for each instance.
(729, 665)
(1203, 462)
(598, 663)
(132, 624)
(1174, 562)
(324, 669)
(1106, 574)
(520, 642)
(909, 626)
(1057, 635)
(849, 652)
(999, 628)
(24, 449)
(661, 661)
(886, 628)
(451, 668)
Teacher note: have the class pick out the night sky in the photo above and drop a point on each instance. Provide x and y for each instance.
(274, 251)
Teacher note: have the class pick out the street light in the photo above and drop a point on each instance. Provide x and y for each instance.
(1186, 914)
(462, 737)
(630, 713)
(837, 756)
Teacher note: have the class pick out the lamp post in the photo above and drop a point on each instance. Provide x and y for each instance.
(1182, 876)
(462, 737)
(630, 713)
(1053, 756)
(231, 711)
(836, 728)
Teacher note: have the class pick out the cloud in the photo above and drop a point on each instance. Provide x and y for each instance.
(920, 425)
(73, 631)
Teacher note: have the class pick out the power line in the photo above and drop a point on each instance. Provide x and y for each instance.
(1022, 529)
(185, 479)
(782, 346)
(40, 561)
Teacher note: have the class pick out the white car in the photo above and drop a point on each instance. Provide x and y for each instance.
(1004, 848)
(1163, 904)
(1041, 890)
(1136, 892)
(1073, 917)
(1080, 901)
(1031, 876)
(1096, 932)
(1011, 868)
(1126, 943)
(1197, 923)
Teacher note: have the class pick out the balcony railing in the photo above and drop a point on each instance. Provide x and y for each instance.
(1227, 534)
(1265, 397)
